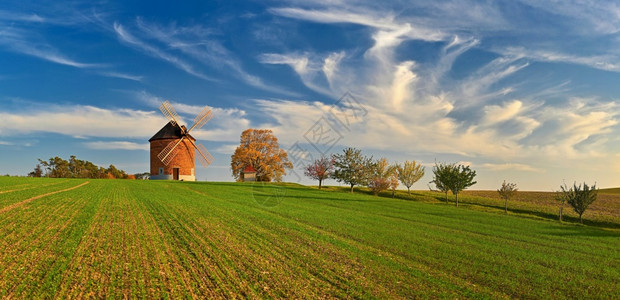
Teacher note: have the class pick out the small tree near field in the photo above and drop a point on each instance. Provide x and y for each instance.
(409, 173)
(579, 198)
(350, 167)
(454, 178)
(462, 178)
(506, 192)
(379, 173)
(393, 178)
(320, 169)
(441, 177)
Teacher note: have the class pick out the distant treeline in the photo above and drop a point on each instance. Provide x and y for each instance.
(57, 167)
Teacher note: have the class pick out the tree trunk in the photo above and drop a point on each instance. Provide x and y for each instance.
(392, 193)
(580, 219)
(561, 207)
(352, 188)
(446, 197)
(506, 205)
(457, 199)
(408, 192)
(320, 184)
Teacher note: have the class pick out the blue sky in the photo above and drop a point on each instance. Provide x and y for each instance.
(523, 91)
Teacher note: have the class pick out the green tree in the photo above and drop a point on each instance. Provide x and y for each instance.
(441, 177)
(37, 172)
(409, 173)
(579, 198)
(506, 192)
(454, 178)
(350, 167)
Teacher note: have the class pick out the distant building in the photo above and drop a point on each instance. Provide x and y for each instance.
(248, 174)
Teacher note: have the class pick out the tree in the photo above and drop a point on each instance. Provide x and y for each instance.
(113, 172)
(74, 168)
(37, 172)
(394, 178)
(454, 178)
(579, 198)
(441, 176)
(350, 167)
(259, 148)
(379, 173)
(462, 178)
(320, 169)
(506, 192)
(409, 173)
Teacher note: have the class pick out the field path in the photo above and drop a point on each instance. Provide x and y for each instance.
(18, 204)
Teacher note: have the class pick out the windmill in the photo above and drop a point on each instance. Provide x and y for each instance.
(173, 147)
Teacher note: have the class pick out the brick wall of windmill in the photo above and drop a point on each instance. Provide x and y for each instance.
(184, 160)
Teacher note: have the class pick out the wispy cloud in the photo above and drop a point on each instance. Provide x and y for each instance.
(17, 41)
(121, 75)
(602, 62)
(511, 166)
(198, 44)
(130, 39)
(117, 145)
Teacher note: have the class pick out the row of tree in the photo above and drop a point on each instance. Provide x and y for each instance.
(355, 169)
(57, 167)
(578, 197)
(259, 149)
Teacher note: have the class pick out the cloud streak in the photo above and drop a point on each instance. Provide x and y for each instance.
(133, 41)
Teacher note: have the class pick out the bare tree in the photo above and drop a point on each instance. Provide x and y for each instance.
(506, 192)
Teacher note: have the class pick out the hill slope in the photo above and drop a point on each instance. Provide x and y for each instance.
(174, 239)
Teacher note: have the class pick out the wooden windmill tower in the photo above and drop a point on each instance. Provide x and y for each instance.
(173, 148)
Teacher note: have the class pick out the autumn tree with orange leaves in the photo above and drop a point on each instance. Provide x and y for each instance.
(259, 148)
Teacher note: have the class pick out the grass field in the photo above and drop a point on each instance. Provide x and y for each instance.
(159, 239)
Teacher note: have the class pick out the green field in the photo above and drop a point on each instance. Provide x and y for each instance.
(159, 239)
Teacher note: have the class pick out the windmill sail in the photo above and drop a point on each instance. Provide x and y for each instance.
(168, 111)
(203, 117)
(171, 150)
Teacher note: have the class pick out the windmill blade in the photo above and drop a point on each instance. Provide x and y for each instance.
(205, 157)
(169, 152)
(168, 111)
(202, 118)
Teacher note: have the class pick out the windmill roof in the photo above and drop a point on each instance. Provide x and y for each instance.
(170, 131)
(249, 169)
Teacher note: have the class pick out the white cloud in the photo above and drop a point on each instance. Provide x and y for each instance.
(117, 145)
(306, 67)
(511, 166)
(226, 124)
(228, 149)
(81, 120)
